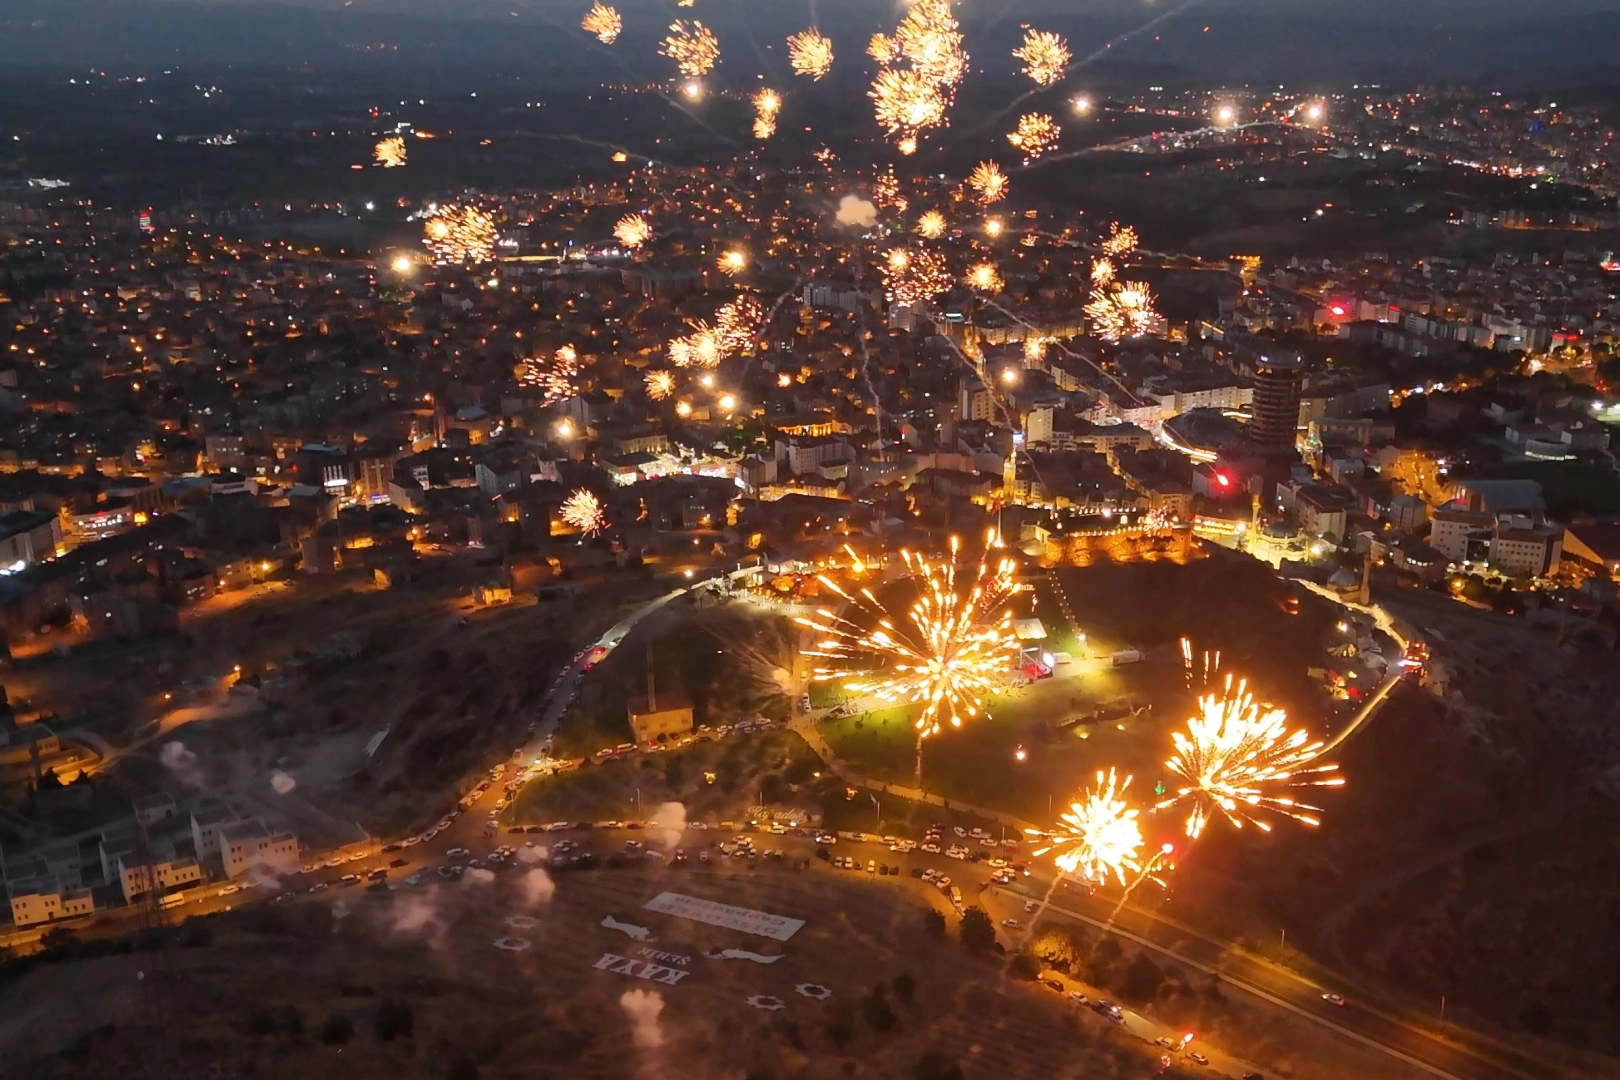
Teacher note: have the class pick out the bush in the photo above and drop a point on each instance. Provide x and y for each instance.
(1024, 966)
(877, 1011)
(1142, 979)
(936, 1065)
(393, 1020)
(934, 922)
(260, 1021)
(337, 1030)
(977, 931)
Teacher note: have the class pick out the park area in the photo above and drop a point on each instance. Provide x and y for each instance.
(1034, 746)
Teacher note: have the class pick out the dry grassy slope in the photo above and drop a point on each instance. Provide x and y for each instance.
(547, 1013)
(1475, 853)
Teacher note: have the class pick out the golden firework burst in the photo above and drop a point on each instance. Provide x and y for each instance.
(988, 182)
(1045, 56)
(604, 22)
(915, 276)
(1035, 134)
(555, 378)
(632, 231)
(1120, 241)
(884, 49)
(951, 647)
(459, 234)
(660, 384)
(733, 262)
(692, 46)
(810, 52)
(737, 324)
(931, 225)
(583, 511)
(390, 153)
(985, 278)
(1235, 756)
(1098, 835)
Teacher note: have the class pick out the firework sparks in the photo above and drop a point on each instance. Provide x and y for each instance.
(1045, 55)
(692, 46)
(660, 384)
(555, 378)
(700, 348)
(1035, 348)
(907, 145)
(988, 182)
(905, 101)
(884, 49)
(459, 234)
(390, 153)
(737, 324)
(1099, 835)
(929, 39)
(985, 278)
(602, 21)
(886, 190)
(733, 262)
(810, 52)
(946, 653)
(931, 225)
(1120, 242)
(1235, 754)
(915, 275)
(1117, 309)
(583, 511)
(632, 231)
(767, 103)
(1035, 135)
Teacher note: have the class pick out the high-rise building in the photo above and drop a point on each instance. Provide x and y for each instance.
(1274, 412)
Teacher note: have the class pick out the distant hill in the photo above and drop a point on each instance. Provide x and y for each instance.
(1280, 40)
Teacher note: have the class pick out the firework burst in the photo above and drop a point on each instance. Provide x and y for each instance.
(1120, 242)
(884, 49)
(920, 67)
(732, 262)
(767, 103)
(692, 46)
(1035, 134)
(810, 52)
(390, 153)
(1235, 756)
(947, 652)
(905, 102)
(632, 231)
(931, 225)
(660, 384)
(555, 378)
(1035, 348)
(700, 348)
(1045, 55)
(583, 511)
(1099, 835)
(988, 182)
(915, 275)
(459, 234)
(886, 190)
(985, 278)
(738, 323)
(604, 22)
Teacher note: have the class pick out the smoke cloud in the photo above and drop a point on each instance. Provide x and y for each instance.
(854, 210)
(412, 914)
(181, 762)
(258, 877)
(537, 887)
(532, 855)
(282, 782)
(669, 823)
(478, 876)
(643, 1007)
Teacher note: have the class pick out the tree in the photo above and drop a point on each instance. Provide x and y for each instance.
(337, 1030)
(933, 922)
(462, 1067)
(1142, 979)
(879, 1014)
(977, 931)
(1024, 966)
(936, 1065)
(292, 1022)
(393, 1020)
(904, 986)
